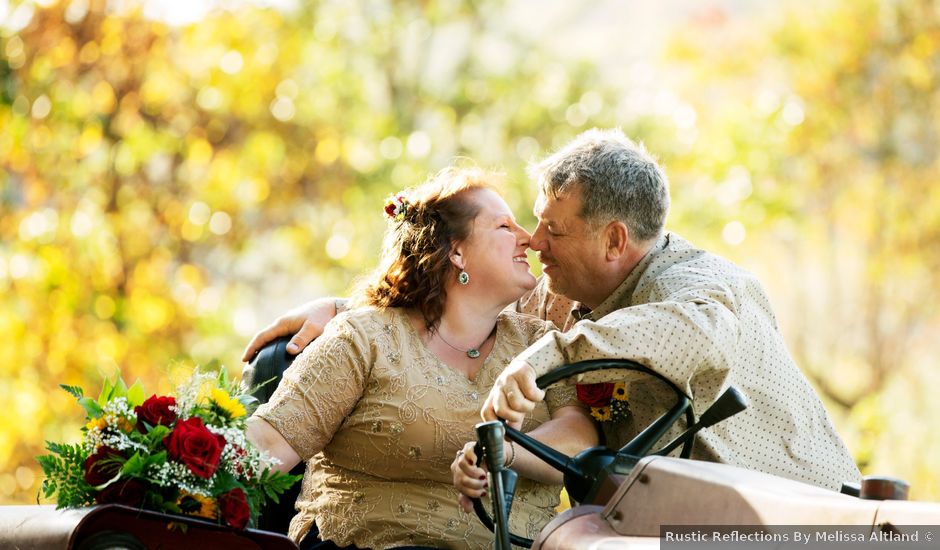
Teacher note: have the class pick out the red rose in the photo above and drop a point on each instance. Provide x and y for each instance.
(595, 395)
(390, 209)
(128, 492)
(102, 466)
(155, 410)
(233, 506)
(195, 446)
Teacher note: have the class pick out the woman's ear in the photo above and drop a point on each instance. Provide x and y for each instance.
(456, 258)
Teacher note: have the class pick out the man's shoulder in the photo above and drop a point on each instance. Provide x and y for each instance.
(521, 319)
(523, 324)
(530, 301)
(541, 302)
(681, 265)
(680, 255)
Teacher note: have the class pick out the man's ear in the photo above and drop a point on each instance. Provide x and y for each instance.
(618, 239)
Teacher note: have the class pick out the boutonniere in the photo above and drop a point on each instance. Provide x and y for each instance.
(608, 400)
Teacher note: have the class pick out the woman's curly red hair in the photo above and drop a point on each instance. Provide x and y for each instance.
(416, 255)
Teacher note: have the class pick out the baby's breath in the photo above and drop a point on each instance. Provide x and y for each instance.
(188, 393)
(118, 420)
(175, 474)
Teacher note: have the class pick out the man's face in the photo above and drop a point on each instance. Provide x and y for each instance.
(570, 251)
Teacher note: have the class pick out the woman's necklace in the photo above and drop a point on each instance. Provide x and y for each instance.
(473, 352)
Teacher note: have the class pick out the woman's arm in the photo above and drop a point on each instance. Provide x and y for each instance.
(316, 394)
(265, 437)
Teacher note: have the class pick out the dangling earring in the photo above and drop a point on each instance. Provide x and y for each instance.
(463, 277)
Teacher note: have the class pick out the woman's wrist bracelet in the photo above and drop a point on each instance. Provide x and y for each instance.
(512, 445)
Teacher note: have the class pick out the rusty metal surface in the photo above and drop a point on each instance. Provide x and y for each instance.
(43, 527)
(883, 488)
(668, 491)
(583, 527)
(672, 492)
(37, 527)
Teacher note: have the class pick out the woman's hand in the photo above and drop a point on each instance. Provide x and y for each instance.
(469, 479)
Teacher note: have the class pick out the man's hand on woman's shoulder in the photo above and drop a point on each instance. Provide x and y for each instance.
(305, 323)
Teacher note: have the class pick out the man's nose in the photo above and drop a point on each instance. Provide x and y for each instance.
(537, 242)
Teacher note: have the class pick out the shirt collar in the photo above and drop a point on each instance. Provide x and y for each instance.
(616, 300)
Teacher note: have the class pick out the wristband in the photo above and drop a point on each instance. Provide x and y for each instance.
(512, 445)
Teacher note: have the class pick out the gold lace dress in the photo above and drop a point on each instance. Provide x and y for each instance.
(379, 419)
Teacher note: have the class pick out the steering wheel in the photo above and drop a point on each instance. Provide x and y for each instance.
(581, 472)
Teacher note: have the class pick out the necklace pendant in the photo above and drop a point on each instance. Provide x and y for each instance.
(473, 353)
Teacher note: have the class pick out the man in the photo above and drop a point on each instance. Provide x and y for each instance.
(621, 287)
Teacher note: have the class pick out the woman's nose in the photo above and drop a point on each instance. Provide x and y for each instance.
(523, 236)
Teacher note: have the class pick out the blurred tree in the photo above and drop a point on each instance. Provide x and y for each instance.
(160, 184)
(826, 122)
(164, 190)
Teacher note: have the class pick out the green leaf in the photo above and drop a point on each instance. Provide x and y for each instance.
(225, 481)
(223, 375)
(71, 453)
(112, 390)
(64, 476)
(274, 483)
(156, 434)
(105, 394)
(136, 394)
(156, 459)
(135, 465)
(120, 389)
(75, 391)
(248, 401)
(92, 408)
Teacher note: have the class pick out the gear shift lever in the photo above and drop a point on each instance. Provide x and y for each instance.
(490, 435)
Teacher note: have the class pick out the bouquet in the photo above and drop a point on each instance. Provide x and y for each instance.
(186, 454)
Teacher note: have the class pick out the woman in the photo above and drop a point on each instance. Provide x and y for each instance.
(383, 401)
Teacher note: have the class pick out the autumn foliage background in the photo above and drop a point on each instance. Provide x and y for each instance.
(166, 190)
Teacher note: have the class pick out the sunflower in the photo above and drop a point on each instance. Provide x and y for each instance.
(100, 423)
(197, 505)
(601, 414)
(620, 391)
(231, 407)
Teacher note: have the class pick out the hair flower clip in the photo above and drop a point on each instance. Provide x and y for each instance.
(396, 206)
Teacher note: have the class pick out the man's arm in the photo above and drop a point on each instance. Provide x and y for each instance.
(695, 330)
(306, 323)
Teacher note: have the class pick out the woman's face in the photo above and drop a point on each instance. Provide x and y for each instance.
(494, 255)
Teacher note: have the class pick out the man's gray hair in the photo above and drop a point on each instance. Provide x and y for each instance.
(618, 180)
